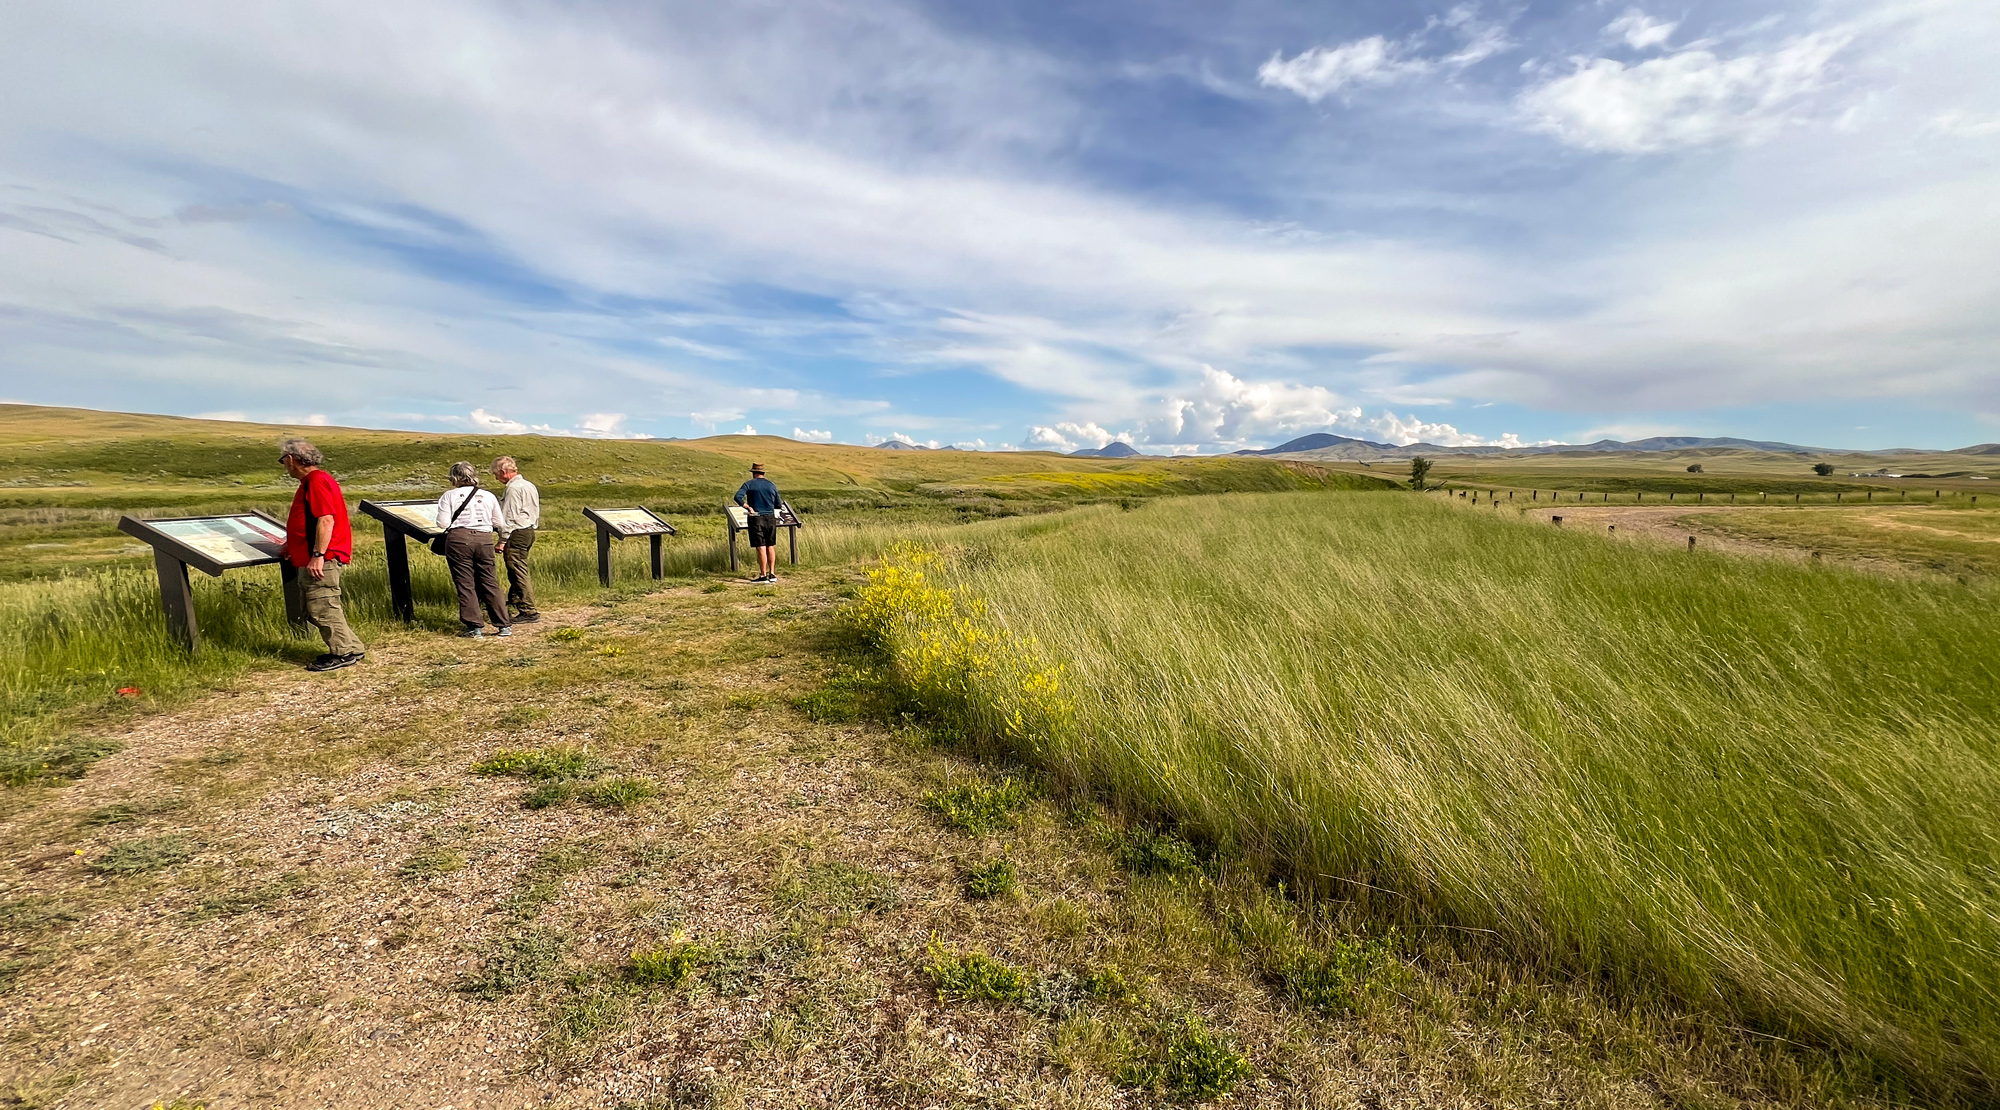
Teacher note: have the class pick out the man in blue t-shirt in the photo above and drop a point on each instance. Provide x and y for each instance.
(760, 496)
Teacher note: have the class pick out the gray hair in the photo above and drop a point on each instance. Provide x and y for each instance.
(505, 463)
(462, 474)
(302, 450)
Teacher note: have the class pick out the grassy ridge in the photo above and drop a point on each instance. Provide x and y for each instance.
(1751, 785)
(67, 474)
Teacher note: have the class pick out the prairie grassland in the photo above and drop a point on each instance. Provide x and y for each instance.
(1755, 787)
(68, 645)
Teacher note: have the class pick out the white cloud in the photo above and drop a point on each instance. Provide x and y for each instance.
(709, 420)
(899, 437)
(605, 425)
(596, 425)
(1965, 125)
(484, 421)
(1693, 98)
(1319, 72)
(811, 436)
(747, 431)
(1641, 31)
(1070, 436)
(233, 415)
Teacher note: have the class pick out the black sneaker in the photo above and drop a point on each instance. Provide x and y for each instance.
(335, 662)
(319, 661)
(527, 618)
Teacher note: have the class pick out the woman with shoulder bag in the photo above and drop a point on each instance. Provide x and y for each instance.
(468, 516)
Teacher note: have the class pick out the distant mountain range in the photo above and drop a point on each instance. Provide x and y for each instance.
(1326, 445)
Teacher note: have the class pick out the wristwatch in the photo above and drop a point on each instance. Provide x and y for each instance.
(319, 554)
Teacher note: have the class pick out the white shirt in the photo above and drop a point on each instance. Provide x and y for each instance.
(521, 507)
(483, 515)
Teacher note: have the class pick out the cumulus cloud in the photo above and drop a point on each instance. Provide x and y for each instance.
(1693, 98)
(811, 436)
(596, 425)
(1070, 436)
(1223, 411)
(1641, 31)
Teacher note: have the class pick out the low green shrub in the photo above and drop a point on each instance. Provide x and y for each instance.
(1185, 1062)
(1333, 980)
(541, 763)
(976, 807)
(154, 853)
(619, 793)
(667, 965)
(1145, 852)
(431, 863)
(52, 760)
(974, 977)
(994, 880)
(513, 961)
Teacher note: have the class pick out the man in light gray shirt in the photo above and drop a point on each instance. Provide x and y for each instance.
(520, 515)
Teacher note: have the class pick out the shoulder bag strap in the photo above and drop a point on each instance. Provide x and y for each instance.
(461, 507)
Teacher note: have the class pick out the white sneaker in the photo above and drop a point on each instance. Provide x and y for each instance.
(507, 630)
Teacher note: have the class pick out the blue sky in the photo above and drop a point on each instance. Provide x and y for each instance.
(1194, 226)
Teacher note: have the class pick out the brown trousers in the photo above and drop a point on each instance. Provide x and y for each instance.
(325, 609)
(470, 556)
(520, 588)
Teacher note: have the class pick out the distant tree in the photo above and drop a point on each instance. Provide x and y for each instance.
(1694, 468)
(1822, 469)
(1420, 468)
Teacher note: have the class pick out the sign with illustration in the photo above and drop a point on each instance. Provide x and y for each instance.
(214, 543)
(631, 522)
(418, 518)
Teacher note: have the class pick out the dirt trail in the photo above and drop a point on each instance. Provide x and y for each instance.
(298, 958)
(1665, 525)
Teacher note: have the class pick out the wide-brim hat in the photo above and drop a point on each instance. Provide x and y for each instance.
(756, 468)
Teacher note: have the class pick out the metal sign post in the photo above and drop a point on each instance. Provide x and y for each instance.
(619, 523)
(211, 544)
(739, 521)
(415, 520)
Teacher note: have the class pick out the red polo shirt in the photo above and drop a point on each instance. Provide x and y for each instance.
(300, 527)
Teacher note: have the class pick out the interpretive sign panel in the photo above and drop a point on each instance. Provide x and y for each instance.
(210, 544)
(418, 518)
(739, 521)
(630, 522)
(214, 544)
(415, 519)
(619, 523)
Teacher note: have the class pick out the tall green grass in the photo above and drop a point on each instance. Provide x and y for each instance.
(1751, 785)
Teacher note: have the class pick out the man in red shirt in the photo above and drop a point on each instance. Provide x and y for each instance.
(320, 544)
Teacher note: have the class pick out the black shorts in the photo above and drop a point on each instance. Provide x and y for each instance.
(763, 530)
